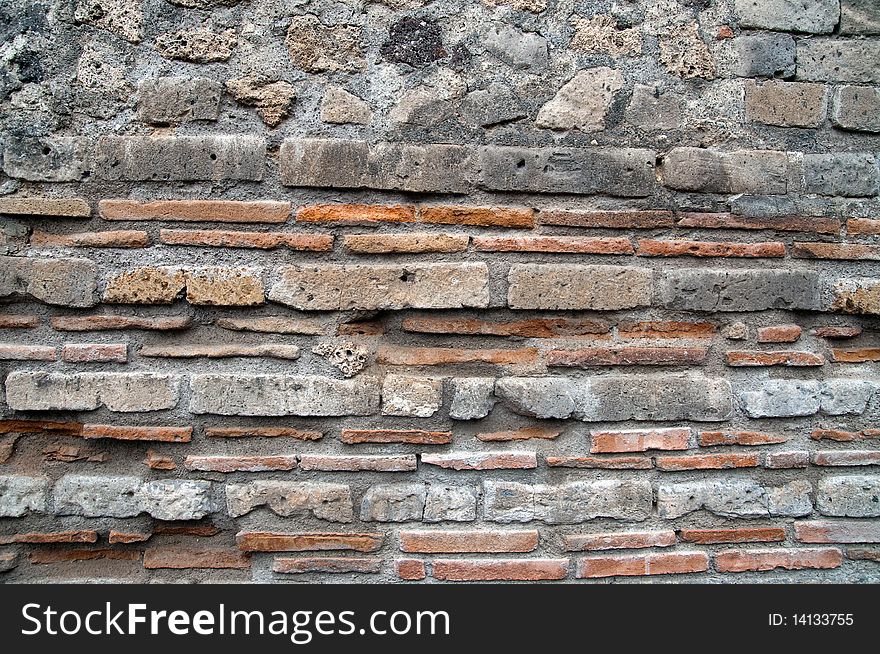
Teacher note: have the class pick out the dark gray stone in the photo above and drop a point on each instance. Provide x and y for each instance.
(740, 290)
(845, 174)
(50, 159)
(764, 55)
(414, 41)
(167, 100)
(760, 172)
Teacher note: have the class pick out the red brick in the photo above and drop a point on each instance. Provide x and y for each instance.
(626, 356)
(365, 463)
(358, 214)
(640, 440)
(666, 329)
(38, 426)
(138, 433)
(327, 564)
(181, 558)
(724, 32)
(500, 569)
(410, 569)
(178, 529)
(16, 352)
(12, 321)
(836, 332)
(837, 531)
(859, 355)
(847, 458)
(482, 460)
(608, 219)
(665, 563)
(36, 206)
(361, 328)
(108, 323)
(462, 542)
(536, 328)
(625, 540)
(436, 356)
(560, 244)
(733, 535)
(750, 358)
(71, 453)
(862, 226)
(215, 211)
(712, 438)
(125, 537)
(863, 554)
(49, 556)
(779, 334)
(255, 240)
(409, 436)
(479, 216)
(814, 224)
(80, 536)
(406, 243)
(771, 559)
(267, 541)
(263, 432)
(251, 463)
(786, 460)
(156, 461)
(707, 462)
(835, 251)
(604, 463)
(95, 353)
(105, 239)
(653, 248)
(844, 436)
(524, 434)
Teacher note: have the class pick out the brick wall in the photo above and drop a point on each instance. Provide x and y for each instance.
(400, 291)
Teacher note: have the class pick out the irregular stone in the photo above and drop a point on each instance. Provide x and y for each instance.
(856, 496)
(286, 498)
(740, 290)
(121, 17)
(838, 60)
(50, 159)
(176, 499)
(65, 282)
(472, 398)
(197, 45)
(793, 499)
(849, 174)
(764, 55)
(857, 108)
(758, 172)
(684, 53)
(316, 48)
(583, 102)
(271, 98)
(415, 41)
(340, 107)
(856, 295)
(812, 16)
(652, 110)
(19, 494)
(602, 34)
(421, 286)
(417, 397)
(733, 499)
(92, 497)
(166, 100)
(423, 106)
(491, 106)
(778, 398)
(145, 286)
(97, 74)
(840, 397)
(450, 503)
(564, 286)
(859, 17)
(282, 395)
(350, 358)
(520, 50)
(393, 503)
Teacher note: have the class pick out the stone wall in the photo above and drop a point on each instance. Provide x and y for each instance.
(399, 291)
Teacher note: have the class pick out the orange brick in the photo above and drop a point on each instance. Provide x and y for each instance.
(626, 356)
(665, 563)
(38, 426)
(270, 350)
(666, 329)
(267, 541)
(327, 564)
(847, 458)
(108, 323)
(654, 248)
(560, 244)
(12, 321)
(625, 540)
(361, 328)
(358, 214)
(707, 462)
(107, 239)
(835, 332)
(255, 240)
(500, 569)
(604, 463)
(263, 432)
(859, 355)
(844, 436)
(181, 558)
(640, 440)
(16, 352)
(49, 556)
(436, 356)
(410, 436)
(462, 542)
(814, 224)
(368, 462)
(536, 328)
(410, 569)
(125, 537)
(837, 531)
(406, 243)
(156, 461)
(733, 535)
(138, 433)
(712, 438)
(252, 463)
(771, 559)
(862, 226)
(835, 251)
(478, 216)
(524, 434)
(482, 460)
(95, 353)
(608, 219)
(748, 358)
(80, 536)
(215, 211)
(779, 334)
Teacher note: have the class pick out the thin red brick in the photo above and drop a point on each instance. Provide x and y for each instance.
(217, 211)
(814, 224)
(860, 355)
(837, 531)
(666, 329)
(103, 239)
(626, 356)
(847, 251)
(643, 564)
(110, 323)
(707, 462)
(410, 436)
(19, 352)
(333, 565)
(748, 438)
(482, 460)
(535, 328)
(252, 463)
(255, 240)
(640, 440)
(499, 569)
(557, 244)
(268, 541)
(95, 353)
(263, 432)
(847, 458)
(733, 535)
(524, 434)
(837, 332)
(625, 540)
(410, 569)
(363, 463)
(681, 248)
(750, 358)
(478, 216)
(608, 219)
(358, 214)
(779, 334)
(464, 542)
(181, 558)
(603, 463)
(13, 321)
(436, 356)
(138, 433)
(79, 536)
(771, 559)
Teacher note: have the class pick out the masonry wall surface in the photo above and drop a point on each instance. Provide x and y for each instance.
(404, 291)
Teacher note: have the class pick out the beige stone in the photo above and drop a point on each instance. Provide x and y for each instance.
(583, 102)
(601, 34)
(197, 45)
(684, 53)
(339, 106)
(122, 17)
(272, 99)
(145, 286)
(239, 287)
(316, 48)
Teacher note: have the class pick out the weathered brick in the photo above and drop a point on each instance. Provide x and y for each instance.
(472, 398)
(341, 163)
(362, 463)
(182, 558)
(79, 536)
(257, 240)
(512, 217)
(410, 436)
(607, 219)
(862, 227)
(165, 100)
(263, 432)
(759, 358)
(254, 463)
(733, 535)
(406, 243)
(260, 541)
(624, 540)
(356, 214)
(837, 531)
(816, 224)
(13, 321)
(707, 462)
(126, 392)
(759, 172)
(560, 244)
(16, 352)
(138, 433)
(524, 434)
(499, 569)
(857, 355)
(712, 438)
(66, 555)
(20, 494)
(410, 569)
(842, 436)
(436, 356)
(846, 458)
(16, 205)
(856, 108)
(421, 286)
(156, 461)
(837, 332)
(325, 501)
(66, 282)
(772, 559)
(464, 542)
(624, 172)
(779, 334)
(481, 460)
(180, 158)
(856, 295)
(103, 239)
(643, 564)
(640, 440)
(532, 328)
(679, 248)
(537, 286)
(739, 290)
(282, 395)
(838, 60)
(108, 323)
(733, 499)
(271, 350)
(812, 16)
(94, 353)
(418, 397)
(849, 174)
(326, 564)
(50, 159)
(601, 462)
(666, 329)
(393, 503)
(764, 55)
(218, 211)
(626, 356)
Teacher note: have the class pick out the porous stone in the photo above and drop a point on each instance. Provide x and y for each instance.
(733, 498)
(777, 398)
(145, 286)
(760, 172)
(520, 50)
(339, 106)
(857, 108)
(856, 295)
(272, 99)
(450, 503)
(20, 494)
(115, 497)
(230, 287)
(786, 104)
(764, 55)
(325, 501)
(121, 17)
(602, 34)
(197, 45)
(417, 397)
(684, 53)
(859, 17)
(838, 60)
(855, 496)
(66, 282)
(840, 397)
(472, 398)
(415, 41)
(652, 110)
(50, 159)
(393, 503)
(582, 102)
(563, 286)
(166, 100)
(845, 174)
(811, 16)
(348, 357)
(316, 48)
(123, 392)
(176, 499)
(534, 6)
(739, 290)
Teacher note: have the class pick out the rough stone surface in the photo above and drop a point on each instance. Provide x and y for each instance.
(417, 397)
(316, 48)
(824, 60)
(197, 45)
(849, 175)
(69, 282)
(733, 499)
(394, 502)
(728, 290)
(20, 494)
(339, 106)
(472, 398)
(812, 16)
(764, 55)
(272, 99)
(583, 102)
(166, 100)
(325, 501)
(856, 496)
(709, 171)
(857, 108)
(578, 287)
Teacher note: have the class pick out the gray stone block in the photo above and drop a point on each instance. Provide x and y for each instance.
(472, 398)
(176, 499)
(810, 16)
(740, 290)
(561, 286)
(97, 496)
(856, 496)
(393, 503)
(859, 17)
(760, 172)
(50, 159)
(450, 503)
(838, 60)
(166, 100)
(764, 55)
(851, 174)
(325, 501)
(856, 108)
(20, 494)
